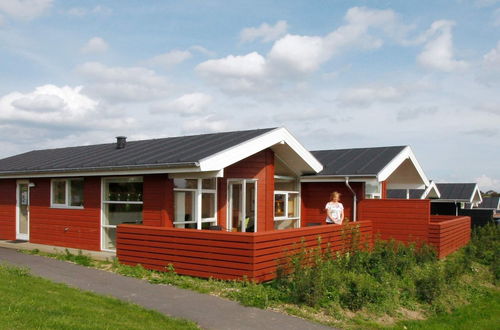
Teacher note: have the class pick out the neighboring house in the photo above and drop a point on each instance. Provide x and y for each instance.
(430, 192)
(359, 173)
(490, 203)
(455, 197)
(223, 205)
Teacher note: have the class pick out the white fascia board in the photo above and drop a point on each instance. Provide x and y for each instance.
(405, 154)
(476, 197)
(328, 178)
(432, 186)
(250, 147)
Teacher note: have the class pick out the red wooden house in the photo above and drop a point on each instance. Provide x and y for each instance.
(225, 205)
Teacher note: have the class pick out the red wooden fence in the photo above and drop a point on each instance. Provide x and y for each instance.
(223, 255)
(448, 233)
(405, 220)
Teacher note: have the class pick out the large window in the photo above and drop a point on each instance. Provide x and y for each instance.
(195, 203)
(122, 203)
(66, 193)
(286, 204)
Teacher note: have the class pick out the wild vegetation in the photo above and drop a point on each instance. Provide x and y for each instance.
(377, 287)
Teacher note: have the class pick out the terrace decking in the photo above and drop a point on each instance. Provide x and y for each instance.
(229, 255)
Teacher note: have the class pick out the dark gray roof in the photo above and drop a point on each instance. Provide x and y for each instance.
(490, 203)
(172, 151)
(401, 193)
(456, 191)
(357, 161)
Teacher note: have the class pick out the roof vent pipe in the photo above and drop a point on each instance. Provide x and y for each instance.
(121, 141)
(354, 199)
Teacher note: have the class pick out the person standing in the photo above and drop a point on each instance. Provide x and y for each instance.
(334, 209)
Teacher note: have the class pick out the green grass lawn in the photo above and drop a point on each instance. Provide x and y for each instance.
(29, 302)
(484, 313)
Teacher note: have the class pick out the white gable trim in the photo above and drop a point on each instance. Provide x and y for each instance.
(405, 154)
(476, 197)
(431, 187)
(250, 147)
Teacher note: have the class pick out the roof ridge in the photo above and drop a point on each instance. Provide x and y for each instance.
(398, 146)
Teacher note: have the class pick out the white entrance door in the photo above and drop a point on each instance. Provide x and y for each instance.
(23, 210)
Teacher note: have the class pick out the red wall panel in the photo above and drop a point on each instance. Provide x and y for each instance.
(158, 208)
(315, 195)
(261, 167)
(74, 228)
(8, 209)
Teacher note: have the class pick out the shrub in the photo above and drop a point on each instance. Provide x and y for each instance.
(429, 283)
(359, 290)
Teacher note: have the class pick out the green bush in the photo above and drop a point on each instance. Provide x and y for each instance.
(359, 290)
(429, 283)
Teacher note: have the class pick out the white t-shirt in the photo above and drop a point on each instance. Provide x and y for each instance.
(335, 209)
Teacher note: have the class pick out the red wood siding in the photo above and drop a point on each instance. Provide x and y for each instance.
(222, 255)
(449, 233)
(261, 167)
(383, 193)
(404, 220)
(158, 207)
(74, 228)
(8, 209)
(315, 195)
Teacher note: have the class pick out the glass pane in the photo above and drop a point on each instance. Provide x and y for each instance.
(250, 207)
(124, 191)
(186, 183)
(236, 212)
(286, 224)
(285, 185)
(184, 206)
(76, 192)
(59, 192)
(293, 205)
(207, 205)
(123, 213)
(208, 183)
(279, 205)
(109, 241)
(23, 208)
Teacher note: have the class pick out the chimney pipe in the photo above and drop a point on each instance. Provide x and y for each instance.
(120, 142)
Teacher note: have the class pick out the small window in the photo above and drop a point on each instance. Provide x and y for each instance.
(67, 193)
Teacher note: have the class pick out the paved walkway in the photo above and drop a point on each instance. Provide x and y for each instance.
(208, 311)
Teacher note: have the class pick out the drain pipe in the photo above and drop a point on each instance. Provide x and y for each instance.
(354, 199)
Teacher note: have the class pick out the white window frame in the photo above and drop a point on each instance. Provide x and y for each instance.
(286, 193)
(198, 192)
(243, 182)
(105, 181)
(67, 204)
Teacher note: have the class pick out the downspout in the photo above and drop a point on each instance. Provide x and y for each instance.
(354, 199)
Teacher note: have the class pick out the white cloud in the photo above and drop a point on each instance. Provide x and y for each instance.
(170, 59)
(295, 56)
(235, 73)
(496, 17)
(95, 45)
(365, 96)
(205, 124)
(486, 183)
(202, 50)
(82, 11)
(438, 53)
(492, 58)
(117, 84)
(25, 9)
(188, 104)
(414, 113)
(50, 105)
(265, 32)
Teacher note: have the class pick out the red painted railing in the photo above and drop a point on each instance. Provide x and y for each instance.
(225, 255)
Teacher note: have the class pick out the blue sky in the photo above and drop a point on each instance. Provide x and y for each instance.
(337, 74)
